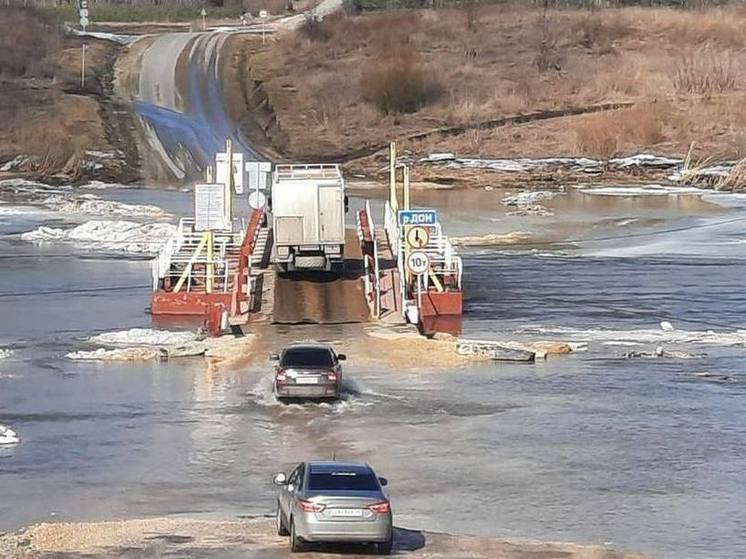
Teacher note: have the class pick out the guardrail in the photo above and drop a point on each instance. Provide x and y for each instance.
(183, 252)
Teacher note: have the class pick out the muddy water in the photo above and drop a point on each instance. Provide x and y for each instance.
(646, 454)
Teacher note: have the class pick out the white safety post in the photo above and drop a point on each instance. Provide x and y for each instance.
(203, 13)
(82, 66)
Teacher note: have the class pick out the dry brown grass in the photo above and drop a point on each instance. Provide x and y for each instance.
(706, 72)
(25, 43)
(606, 134)
(516, 60)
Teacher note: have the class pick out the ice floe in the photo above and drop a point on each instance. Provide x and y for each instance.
(528, 197)
(90, 204)
(524, 164)
(641, 190)
(644, 335)
(491, 239)
(124, 354)
(100, 185)
(645, 160)
(143, 337)
(16, 163)
(8, 436)
(114, 236)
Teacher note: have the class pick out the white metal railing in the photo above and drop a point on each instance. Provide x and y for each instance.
(391, 226)
(176, 257)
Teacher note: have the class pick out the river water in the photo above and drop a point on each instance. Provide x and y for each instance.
(641, 454)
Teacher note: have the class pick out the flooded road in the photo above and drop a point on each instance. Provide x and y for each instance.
(642, 454)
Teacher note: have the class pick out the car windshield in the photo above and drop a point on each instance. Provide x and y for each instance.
(307, 357)
(342, 480)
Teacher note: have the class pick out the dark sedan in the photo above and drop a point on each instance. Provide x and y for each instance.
(307, 371)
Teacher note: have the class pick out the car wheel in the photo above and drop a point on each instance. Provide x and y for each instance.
(281, 530)
(384, 548)
(296, 544)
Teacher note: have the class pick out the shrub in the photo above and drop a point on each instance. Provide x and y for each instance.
(314, 29)
(399, 83)
(705, 72)
(598, 35)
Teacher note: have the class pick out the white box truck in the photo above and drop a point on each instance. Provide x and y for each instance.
(308, 206)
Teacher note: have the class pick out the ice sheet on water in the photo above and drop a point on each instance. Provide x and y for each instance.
(124, 354)
(109, 236)
(29, 186)
(8, 436)
(7, 209)
(143, 337)
(645, 160)
(92, 205)
(528, 198)
(642, 190)
(100, 185)
(521, 164)
(642, 335)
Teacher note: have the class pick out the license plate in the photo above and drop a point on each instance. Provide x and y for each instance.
(346, 512)
(306, 380)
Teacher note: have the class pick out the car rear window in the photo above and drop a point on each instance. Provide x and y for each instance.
(307, 357)
(342, 480)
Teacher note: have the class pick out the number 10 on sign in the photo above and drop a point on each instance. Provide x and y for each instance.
(418, 262)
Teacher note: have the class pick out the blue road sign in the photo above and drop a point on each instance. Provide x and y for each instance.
(418, 217)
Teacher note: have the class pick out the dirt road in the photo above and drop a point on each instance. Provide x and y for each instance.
(247, 538)
(323, 298)
(175, 84)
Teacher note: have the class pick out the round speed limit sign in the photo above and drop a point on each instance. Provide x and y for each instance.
(418, 262)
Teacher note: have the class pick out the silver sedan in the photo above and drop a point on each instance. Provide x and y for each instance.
(334, 502)
(306, 371)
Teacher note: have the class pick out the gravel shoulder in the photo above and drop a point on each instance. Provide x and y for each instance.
(176, 536)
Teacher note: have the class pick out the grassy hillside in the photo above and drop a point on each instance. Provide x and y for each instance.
(357, 80)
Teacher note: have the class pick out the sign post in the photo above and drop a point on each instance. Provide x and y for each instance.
(82, 66)
(263, 16)
(84, 23)
(203, 13)
(83, 13)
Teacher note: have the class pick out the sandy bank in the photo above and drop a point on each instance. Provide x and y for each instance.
(191, 537)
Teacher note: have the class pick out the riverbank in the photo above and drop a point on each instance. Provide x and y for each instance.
(54, 127)
(506, 81)
(254, 537)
